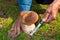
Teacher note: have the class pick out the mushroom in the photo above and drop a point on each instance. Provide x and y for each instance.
(30, 18)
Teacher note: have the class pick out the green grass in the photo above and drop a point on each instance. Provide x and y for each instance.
(49, 31)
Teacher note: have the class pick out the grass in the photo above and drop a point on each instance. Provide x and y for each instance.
(9, 8)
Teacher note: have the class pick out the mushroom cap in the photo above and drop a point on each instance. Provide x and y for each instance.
(30, 18)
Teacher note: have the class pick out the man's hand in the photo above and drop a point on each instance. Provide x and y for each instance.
(51, 12)
(15, 28)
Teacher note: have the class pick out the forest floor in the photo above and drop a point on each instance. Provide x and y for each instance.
(10, 11)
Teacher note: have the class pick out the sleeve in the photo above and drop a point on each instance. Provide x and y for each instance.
(24, 5)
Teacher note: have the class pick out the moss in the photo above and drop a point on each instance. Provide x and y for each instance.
(10, 11)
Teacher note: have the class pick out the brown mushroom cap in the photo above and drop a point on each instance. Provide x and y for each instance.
(30, 18)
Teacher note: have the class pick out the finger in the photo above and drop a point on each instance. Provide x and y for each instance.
(49, 18)
(54, 13)
(12, 28)
(45, 16)
(23, 27)
(17, 29)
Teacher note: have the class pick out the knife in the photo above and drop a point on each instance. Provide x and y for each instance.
(35, 29)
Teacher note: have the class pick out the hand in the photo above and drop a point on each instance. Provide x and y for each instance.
(51, 12)
(15, 28)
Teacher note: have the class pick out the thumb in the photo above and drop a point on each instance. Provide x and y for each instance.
(45, 17)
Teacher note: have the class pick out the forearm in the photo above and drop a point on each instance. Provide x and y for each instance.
(24, 5)
(56, 2)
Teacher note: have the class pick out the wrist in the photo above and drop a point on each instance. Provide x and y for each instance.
(23, 13)
(57, 2)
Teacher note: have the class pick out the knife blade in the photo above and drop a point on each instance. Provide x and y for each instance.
(35, 29)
